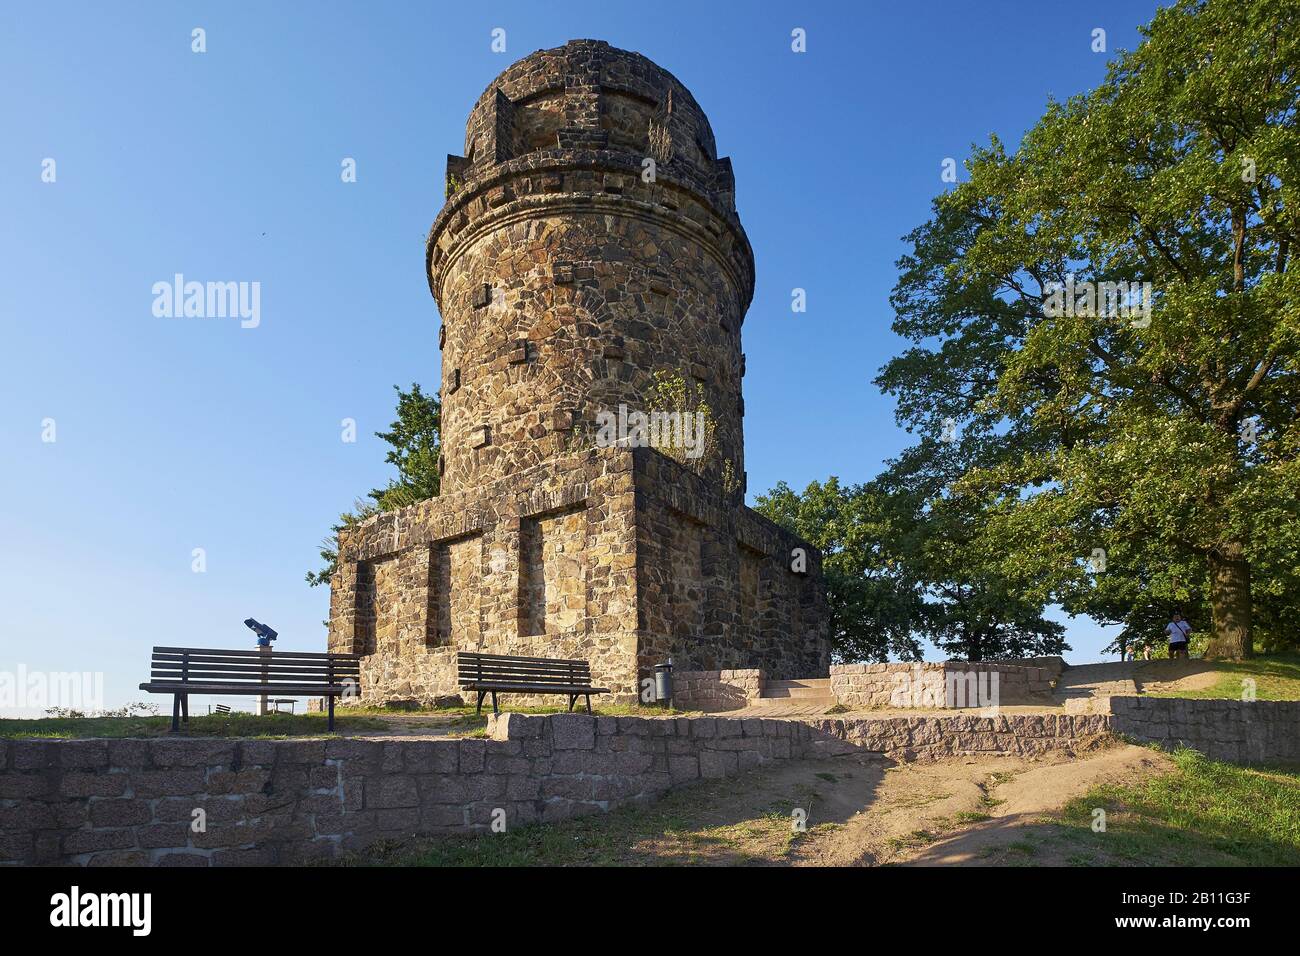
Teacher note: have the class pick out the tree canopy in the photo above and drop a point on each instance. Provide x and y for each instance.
(414, 445)
(1102, 369)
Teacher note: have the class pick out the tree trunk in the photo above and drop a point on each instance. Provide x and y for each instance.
(1230, 602)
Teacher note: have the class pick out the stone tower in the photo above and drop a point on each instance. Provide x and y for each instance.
(589, 244)
(575, 257)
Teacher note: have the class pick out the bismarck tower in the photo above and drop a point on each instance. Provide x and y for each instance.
(588, 261)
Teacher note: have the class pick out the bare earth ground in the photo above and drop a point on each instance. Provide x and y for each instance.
(1021, 809)
(865, 812)
(967, 812)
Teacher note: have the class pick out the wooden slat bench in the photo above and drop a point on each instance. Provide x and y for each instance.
(492, 674)
(182, 671)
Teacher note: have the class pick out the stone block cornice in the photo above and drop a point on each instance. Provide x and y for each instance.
(532, 186)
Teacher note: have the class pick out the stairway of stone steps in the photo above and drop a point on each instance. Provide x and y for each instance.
(810, 692)
(1084, 681)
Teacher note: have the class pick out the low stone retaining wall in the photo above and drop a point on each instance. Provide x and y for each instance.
(135, 802)
(940, 737)
(139, 802)
(716, 690)
(1261, 731)
(953, 684)
(1053, 664)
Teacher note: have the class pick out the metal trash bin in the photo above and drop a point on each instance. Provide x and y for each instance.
(664, 682)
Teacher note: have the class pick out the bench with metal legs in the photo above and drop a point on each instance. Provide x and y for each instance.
(485, 674)
(182, 671)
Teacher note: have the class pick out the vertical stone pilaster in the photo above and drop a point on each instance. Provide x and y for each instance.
(342, 637)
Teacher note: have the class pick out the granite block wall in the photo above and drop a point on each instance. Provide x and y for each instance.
(621, 557)
(716, 690)
(1261, 731)
(219, 802)
(952, 684)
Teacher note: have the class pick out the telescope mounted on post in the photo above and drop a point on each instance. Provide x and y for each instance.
(265, 635)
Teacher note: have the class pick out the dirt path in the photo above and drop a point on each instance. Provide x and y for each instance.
(969, 812)
(1021, 809)
(864, 812)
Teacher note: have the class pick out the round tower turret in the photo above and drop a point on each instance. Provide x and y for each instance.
(589, 241)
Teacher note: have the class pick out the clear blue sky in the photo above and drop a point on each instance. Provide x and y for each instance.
(176, 434)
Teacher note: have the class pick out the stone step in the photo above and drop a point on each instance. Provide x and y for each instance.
(787, 708)
(1113, 688)
(798, 693)
(812, 691)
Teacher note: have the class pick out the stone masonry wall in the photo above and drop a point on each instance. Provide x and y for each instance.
(539, 565)
(926, 685)
(942, 737)
(580, 558)
(1262, 731)
(133, 802)
(565, 279)
(716, 690)
(699, 551)
(1052, 664)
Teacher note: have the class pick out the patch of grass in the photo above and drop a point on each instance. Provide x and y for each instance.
(200, 725)
(453, 722)
(464, 722)
(917, 838)
(924, 800)
(968, 816)
(1276, 676)
(996, 779)
(1203, 813)
(828, 777)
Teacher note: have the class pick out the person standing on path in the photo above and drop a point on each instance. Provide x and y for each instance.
(1179, 631)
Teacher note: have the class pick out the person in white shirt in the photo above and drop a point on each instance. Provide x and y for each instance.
(1179, 631)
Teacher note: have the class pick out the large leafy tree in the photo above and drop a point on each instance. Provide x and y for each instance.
(1130, 462)
(876, 610)
(902, 565)
(972, 609)
(414, 442)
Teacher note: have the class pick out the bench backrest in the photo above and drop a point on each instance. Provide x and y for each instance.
(254, 668)
(496, 668)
